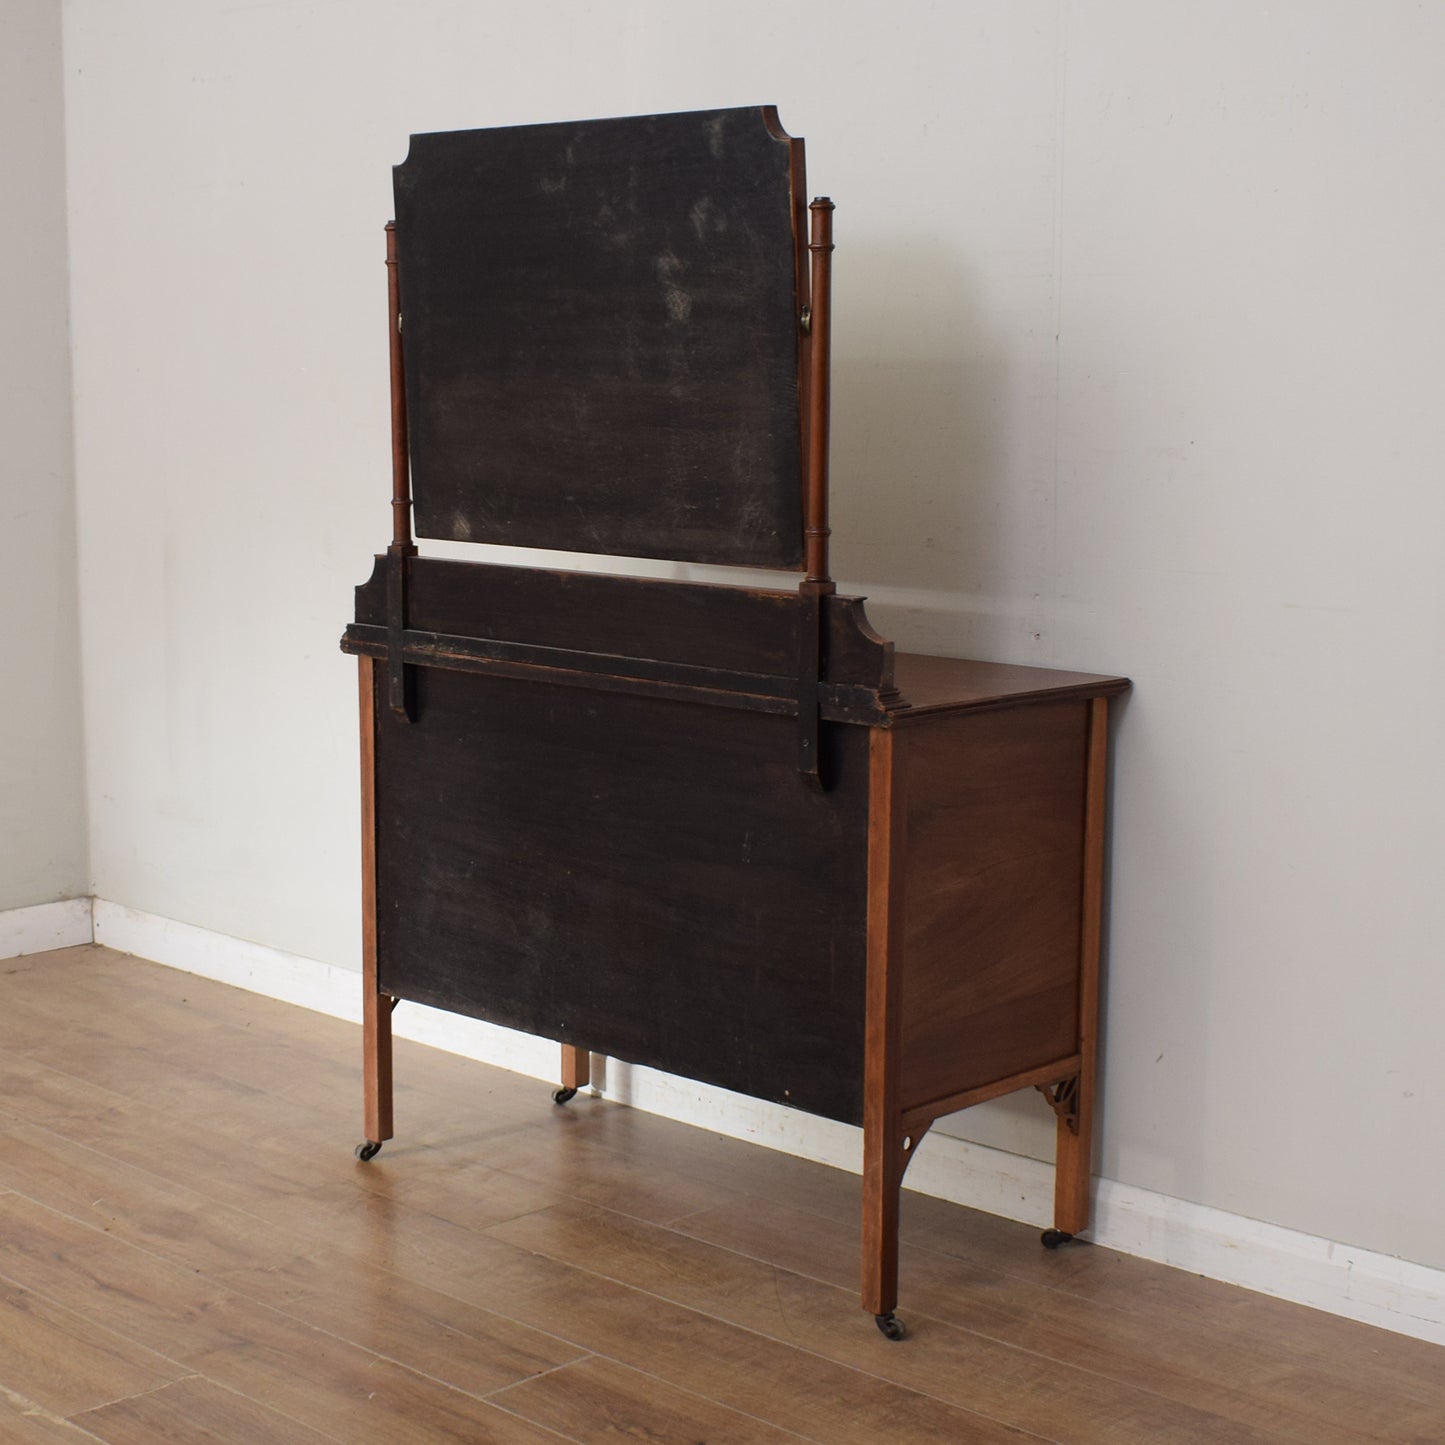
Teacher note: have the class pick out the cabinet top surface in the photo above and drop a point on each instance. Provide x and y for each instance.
(936, 684)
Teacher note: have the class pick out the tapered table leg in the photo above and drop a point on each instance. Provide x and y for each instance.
(376, 1006)
(882, 1184)
(883, 1156)
(1073, 1167)
(576, 1073)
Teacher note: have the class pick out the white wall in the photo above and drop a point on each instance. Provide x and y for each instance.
(42, 792)
(1138, 312)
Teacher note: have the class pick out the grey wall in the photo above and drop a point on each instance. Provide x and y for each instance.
(1139, 308)
(42, 792)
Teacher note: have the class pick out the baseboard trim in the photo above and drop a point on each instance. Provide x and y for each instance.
(1359, 1284)
(44, 926)
(310, 984)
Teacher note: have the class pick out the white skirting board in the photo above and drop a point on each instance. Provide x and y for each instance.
(1359, 1284)
(45, 926)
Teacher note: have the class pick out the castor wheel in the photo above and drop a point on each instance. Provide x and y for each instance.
(1053, 1238)
(368, 1149)
(891, 1326)
(560, 1096)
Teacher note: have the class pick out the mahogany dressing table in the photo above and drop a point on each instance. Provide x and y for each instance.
(719, 831)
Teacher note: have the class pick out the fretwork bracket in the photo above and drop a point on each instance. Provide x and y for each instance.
(1063, 1099)
(908, 1147)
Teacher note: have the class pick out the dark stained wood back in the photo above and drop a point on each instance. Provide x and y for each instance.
(744, 630)
(635, 876)
(601, 330)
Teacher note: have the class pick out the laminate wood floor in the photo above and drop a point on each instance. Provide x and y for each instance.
(189, 1252)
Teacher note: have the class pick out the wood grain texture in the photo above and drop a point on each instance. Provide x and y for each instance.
(591, 1162)
(992, 860)
(883, 1160)
(576, 1067)
(920, 1116)
(133, 1203)
(1072, 1172)
(602, 336)
(23, 1422)
(764, 1374)
(347, 1391)
(818, 407)
(64, 1362)
(1182, 1346)
(198, 1412)
(599, 1399)
(376, 1052)
(947, 684)
(424, 1329)
(1051, 1397)
(392, 1301)
(134, 1293)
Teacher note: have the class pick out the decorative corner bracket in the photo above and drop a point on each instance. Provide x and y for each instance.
(1063, 1099)
(908, 1146)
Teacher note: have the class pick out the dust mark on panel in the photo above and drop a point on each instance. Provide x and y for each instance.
(669, 272)
(707, 218)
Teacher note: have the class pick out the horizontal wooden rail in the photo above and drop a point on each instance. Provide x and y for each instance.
(921, 1115)
(605, 672)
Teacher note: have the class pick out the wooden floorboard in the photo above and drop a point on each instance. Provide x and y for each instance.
(1050, 1397)
(600, 1398)
(66, 1363)
(1199, 1362)
(189, 1251)
(199, 1412)
(25, 1422)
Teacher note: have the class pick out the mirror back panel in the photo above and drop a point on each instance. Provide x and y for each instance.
(601, 335)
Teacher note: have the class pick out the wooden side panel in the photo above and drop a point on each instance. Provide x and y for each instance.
(648, 879)
(994, 855)
(602, 336)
